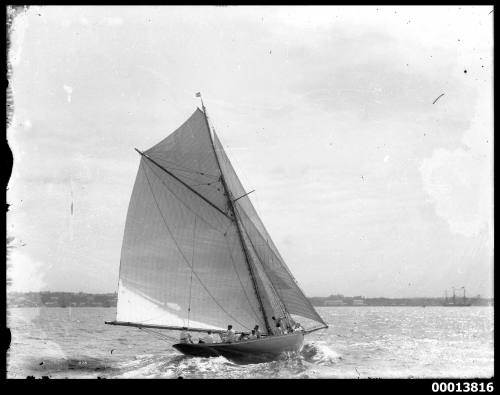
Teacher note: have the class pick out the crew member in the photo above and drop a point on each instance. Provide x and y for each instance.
(229, 335)
(257, 331)
(185, 337)
(208, 338)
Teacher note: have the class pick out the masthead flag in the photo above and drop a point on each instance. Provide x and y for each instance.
(198, 94)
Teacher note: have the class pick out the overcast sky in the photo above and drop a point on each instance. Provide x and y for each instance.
(365, 185)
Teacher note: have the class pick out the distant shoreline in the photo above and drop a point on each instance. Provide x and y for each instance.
(81, 299)
(341, 300)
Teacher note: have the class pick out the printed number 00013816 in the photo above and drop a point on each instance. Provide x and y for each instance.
(462, 387)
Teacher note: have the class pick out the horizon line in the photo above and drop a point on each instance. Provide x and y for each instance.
(343, 296)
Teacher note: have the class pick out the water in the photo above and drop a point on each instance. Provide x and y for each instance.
(361, 342)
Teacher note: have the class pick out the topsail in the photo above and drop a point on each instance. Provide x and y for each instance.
(195, 253)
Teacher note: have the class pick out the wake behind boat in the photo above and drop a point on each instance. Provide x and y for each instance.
(196, 256)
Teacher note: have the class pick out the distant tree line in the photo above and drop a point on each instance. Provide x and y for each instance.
(81, 299)
(61, 299)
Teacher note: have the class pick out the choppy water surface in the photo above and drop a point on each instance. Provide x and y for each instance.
(361, 342)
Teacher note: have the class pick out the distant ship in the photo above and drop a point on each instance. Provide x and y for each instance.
(196, 257)
(454, 301)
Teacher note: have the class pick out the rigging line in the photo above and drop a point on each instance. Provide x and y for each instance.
(275, 300)
(204, 155)
(190, 177)
(298, 290)
(273, 250)
(276, 295)
(186, 185)
(185, 169)
(256, 315)
(257, 223)
(252, 275)
(206, 183)
(231, 206)
(186, 178)
(192, 268)
(180, 165)
(222, 232)
(242, 196)
(160, 335)
(184, 257)
(170, 167)
(301, 296)
(182, 201)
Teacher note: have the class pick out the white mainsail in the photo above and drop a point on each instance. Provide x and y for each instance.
(192, 258)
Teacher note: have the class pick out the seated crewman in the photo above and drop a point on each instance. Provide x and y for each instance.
(208, 338)
(243, 336)
(279, 320)
(185, 337)
(229, 335)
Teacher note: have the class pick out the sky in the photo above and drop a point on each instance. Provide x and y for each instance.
(367, 184)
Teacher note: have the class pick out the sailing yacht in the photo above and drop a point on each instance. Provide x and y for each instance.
(196, 257)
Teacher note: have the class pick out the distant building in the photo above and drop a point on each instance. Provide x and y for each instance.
(334, 302)
(358, 302)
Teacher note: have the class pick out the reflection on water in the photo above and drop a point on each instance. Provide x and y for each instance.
(361, 342)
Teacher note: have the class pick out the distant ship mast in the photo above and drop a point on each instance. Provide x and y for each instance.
(454, 300)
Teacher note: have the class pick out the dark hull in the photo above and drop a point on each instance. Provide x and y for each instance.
(248, 351)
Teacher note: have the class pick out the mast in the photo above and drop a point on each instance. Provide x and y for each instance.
(240, 235)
